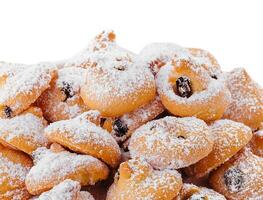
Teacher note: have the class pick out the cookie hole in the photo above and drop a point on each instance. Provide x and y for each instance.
(183, 87)
(120, 128)
(67, 89)
(234, 179)
(8, 111)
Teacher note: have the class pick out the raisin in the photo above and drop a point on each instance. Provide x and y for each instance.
(67, 90)
(214, 77)
(234, 179)
(120, 128)
(8, 111)
(183, 87)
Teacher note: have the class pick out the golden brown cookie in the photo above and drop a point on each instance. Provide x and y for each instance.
(171, 142)
(62, 100)
(247, 99)
(138, 180)
(14, 166)
(24, 132)
(23, 89)
(115, 85)
(193, 192)
(186, 89)
(52, 166)
(83, 136)
(229, 137)
(240, 178)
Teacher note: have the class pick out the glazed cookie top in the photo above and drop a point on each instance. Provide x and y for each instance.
(171, 142)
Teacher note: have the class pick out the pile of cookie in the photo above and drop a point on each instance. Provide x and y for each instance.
(164, 124)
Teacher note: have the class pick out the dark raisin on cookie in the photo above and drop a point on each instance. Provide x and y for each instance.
(214, 76)
(120, 128)
(8, 111)
(181, 137)
(183, 87)
(234, 179)
(67, 90)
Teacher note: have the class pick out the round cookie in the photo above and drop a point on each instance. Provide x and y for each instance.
(24, 132)
(171, 142)
(246, 105)
(52, 166)
(66, 190)
(193, 192)
(81, 135)
(186, 89)
(62, 100)
(240, 178)
(138, 180)
(121, 128)
(229, 137)
(23, 89)
(14, 166)
(116, 85)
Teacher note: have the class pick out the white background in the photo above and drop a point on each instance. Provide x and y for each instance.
(33, 31)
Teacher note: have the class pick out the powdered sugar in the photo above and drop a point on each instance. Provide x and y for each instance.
(81, 130)
(33, 78)
(167, 142)
(26, 126)
(56, 167)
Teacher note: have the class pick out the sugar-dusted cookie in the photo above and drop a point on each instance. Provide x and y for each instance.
(82, 135)
(171, 142)
(52, 166)
(137, 180)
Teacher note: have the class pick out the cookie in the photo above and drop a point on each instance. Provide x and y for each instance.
(23, 89)
(138, 180)
(247, 99)
(229, 137)
(14, 166)
(24, 132)
(193, 192)
(186, 89)
(82, 135)
(52, 166)
(171, 142)
(240, 178)
(62, 100)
